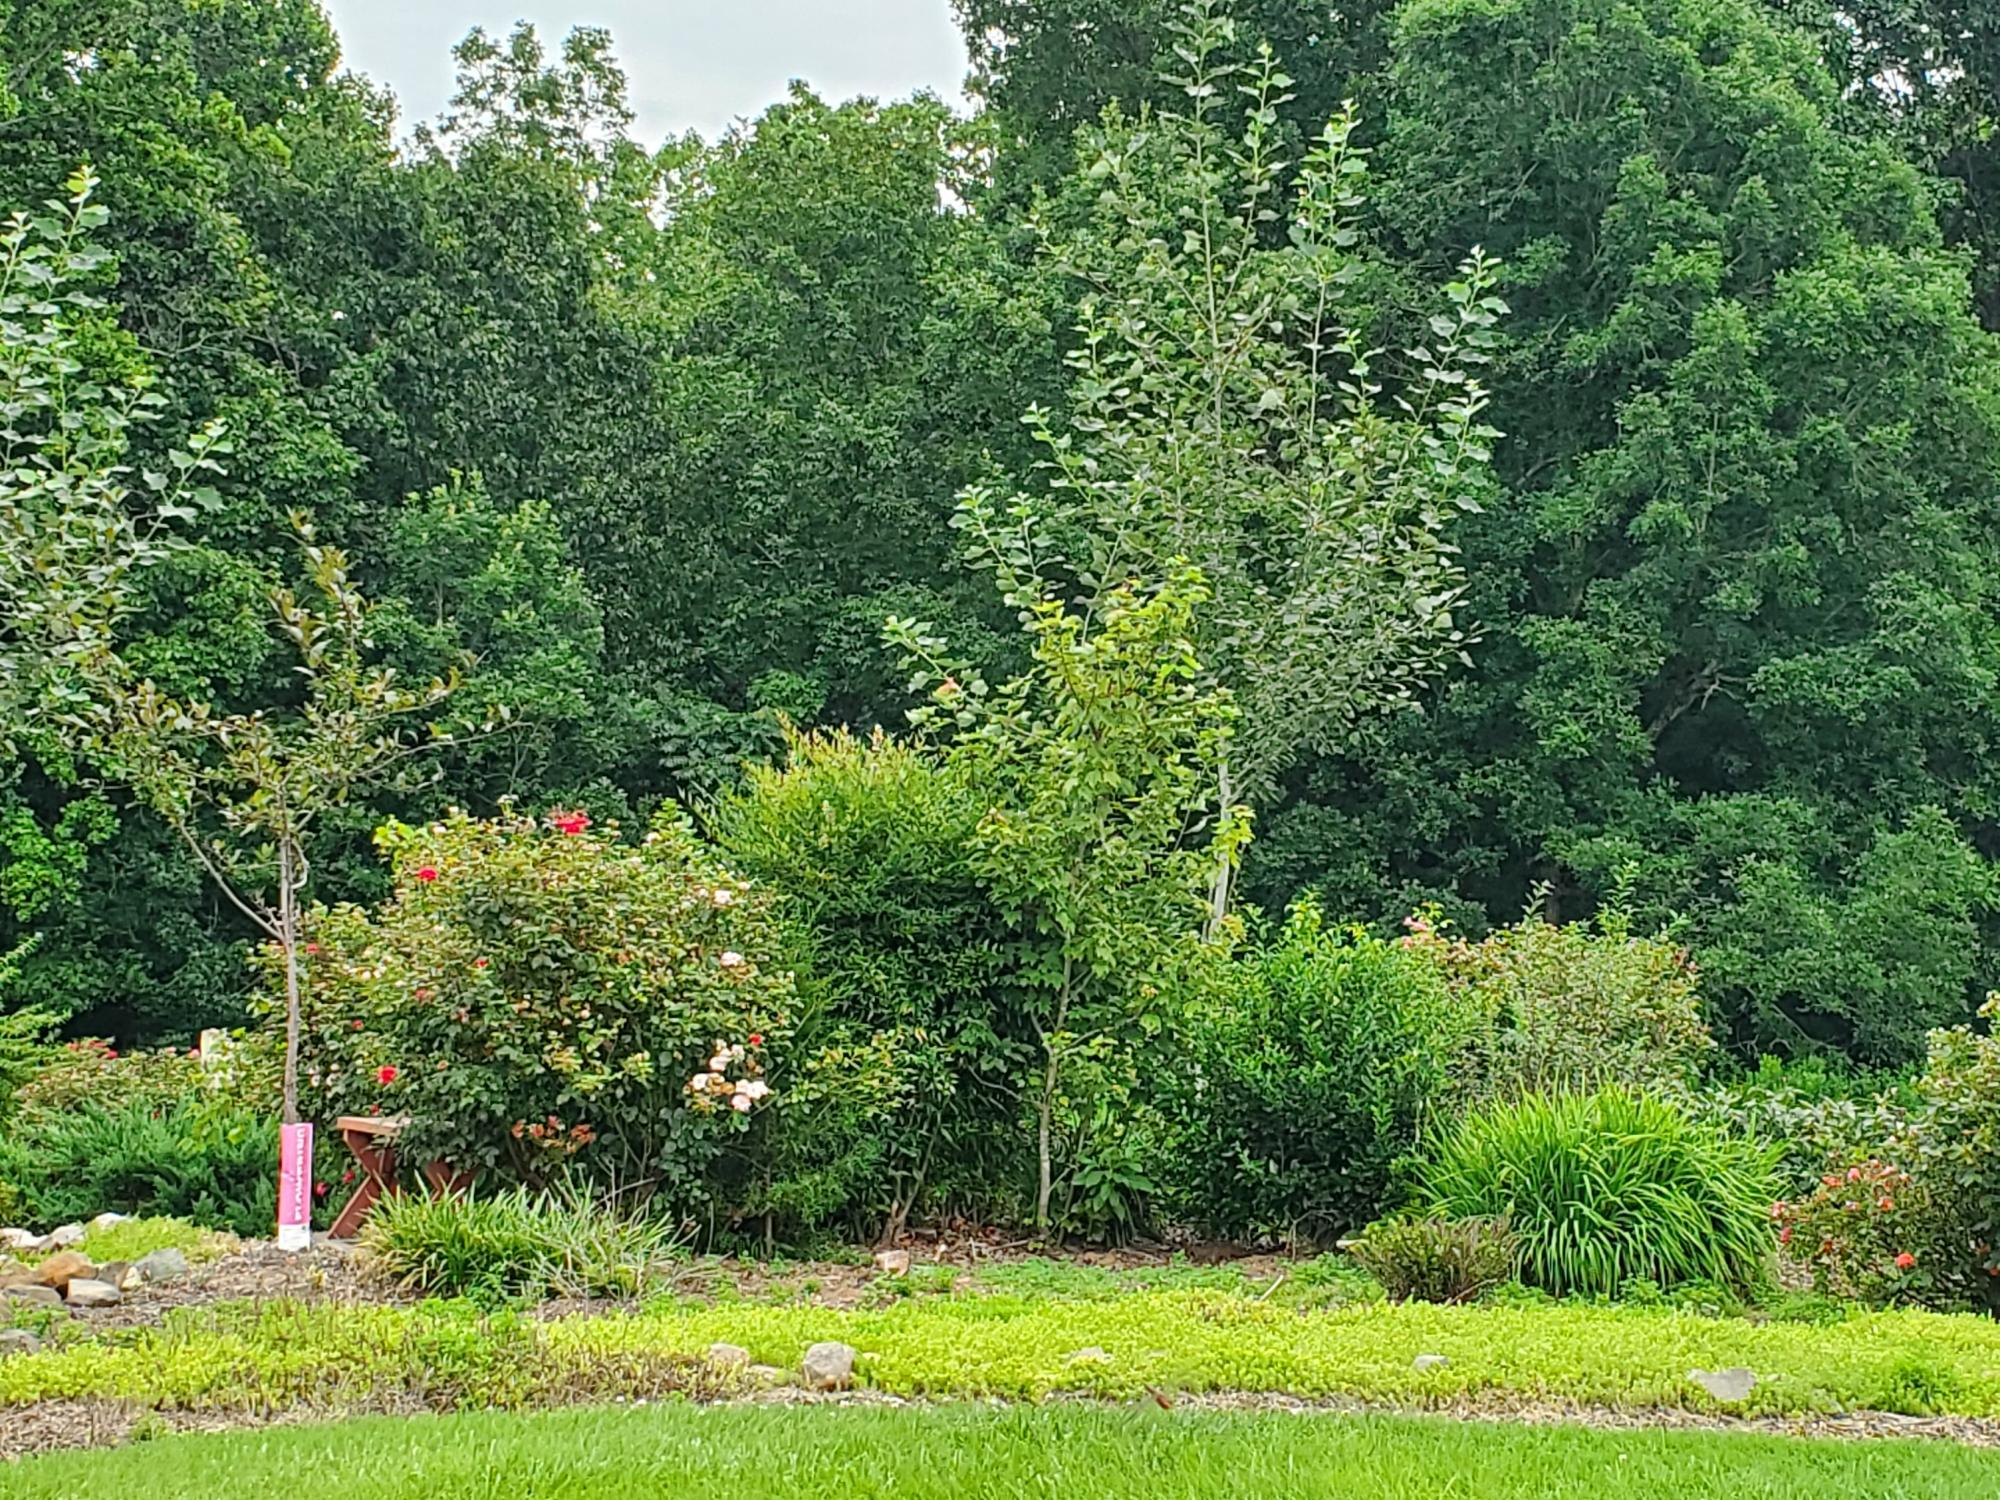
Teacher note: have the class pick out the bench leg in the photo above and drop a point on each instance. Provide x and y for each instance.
(378, 1177)
(443, 1179)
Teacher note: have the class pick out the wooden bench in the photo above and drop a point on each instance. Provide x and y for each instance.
(372, 1141)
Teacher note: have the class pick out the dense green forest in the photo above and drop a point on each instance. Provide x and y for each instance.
(663, 438)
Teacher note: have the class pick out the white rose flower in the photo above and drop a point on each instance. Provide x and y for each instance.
(740, 1103)
(731, 959)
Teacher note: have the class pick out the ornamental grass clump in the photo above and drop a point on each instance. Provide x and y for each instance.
(1601, 1189)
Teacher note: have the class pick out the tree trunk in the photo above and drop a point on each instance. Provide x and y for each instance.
(1219, 888)
(288, 939)
(1045, 1114)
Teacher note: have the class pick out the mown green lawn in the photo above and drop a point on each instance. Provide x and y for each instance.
(792, 1453)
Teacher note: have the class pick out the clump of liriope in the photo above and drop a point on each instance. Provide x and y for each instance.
(1600, 1189)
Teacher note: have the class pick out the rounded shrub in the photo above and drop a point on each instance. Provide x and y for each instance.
(1601, 1189)
(1311, 1069)
(910, 1053)
(537, 994)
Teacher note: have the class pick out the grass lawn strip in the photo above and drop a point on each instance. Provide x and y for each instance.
(840, 1453)
(451, 1355)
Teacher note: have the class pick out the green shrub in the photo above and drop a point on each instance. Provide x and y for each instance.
(214, 1166)
(906, 1087)
(536, 994)
(1436, 1259)
(515, 1243)
(1816, 1116)
(1600, 1189)
(1577, 1007)
(1311, 1069)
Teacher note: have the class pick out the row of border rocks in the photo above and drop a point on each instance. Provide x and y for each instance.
(826, 1367)
(73, 1278)
(16, 1241)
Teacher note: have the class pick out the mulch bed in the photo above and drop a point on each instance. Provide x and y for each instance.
(331, 1272)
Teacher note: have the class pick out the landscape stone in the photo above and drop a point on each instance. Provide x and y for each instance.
(13, 1273)
(729, 1356)
(65, 1235)
(19, 1239)
(893, 1262)
(1733, 1384)
(162, 1265)
(17, 1341)
(60, 1269)
(828, 1367)
(34, 1296)
(106, 1220)
(85, 1292)
(1429, 1362)
(121, 1274)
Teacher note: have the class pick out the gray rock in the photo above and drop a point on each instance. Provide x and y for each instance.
(18, 1341)
(33, 1296)
(729, 1356)
(86, 1292)
(13, 1272)
(893, 1262)
(162, 1265)
(1429, 1362)
(121, 1274)
(828, 1367)
(65, 1235)
(105, 1221)
(1733, 1384)
(20, 1239)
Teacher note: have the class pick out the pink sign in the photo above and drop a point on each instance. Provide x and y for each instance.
(295, 1158)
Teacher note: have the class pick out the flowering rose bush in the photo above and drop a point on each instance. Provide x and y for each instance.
(537, 993)
(1870, 1233)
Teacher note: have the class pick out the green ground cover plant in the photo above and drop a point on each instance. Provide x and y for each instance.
(457, 1355)
(666, 1453)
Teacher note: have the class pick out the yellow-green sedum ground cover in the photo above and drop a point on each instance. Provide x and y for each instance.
(1025, 1346)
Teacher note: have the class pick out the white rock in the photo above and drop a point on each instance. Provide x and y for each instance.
(828, 1367)
(105, 1221)
(19, 1239)
(84, 1292)
(66, 1235)
(893, 1262)
(161, 1265)
(1733, 1384)
(1429, 1362)
(729, 1356)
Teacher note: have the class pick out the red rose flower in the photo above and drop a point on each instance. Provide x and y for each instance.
(427, 874)
(1905, 1261)
(385, 1074)
(570, 823)
(756, 1039)
(479, 963)
(320, 1190)
(357, 1026)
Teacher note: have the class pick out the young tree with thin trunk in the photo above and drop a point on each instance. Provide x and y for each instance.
(1227, 411)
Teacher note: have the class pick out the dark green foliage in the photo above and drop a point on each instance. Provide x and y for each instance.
(1437, 1260)
(1310, 1069)
(212, 1166)
(867, 847)
(1602, 1189)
